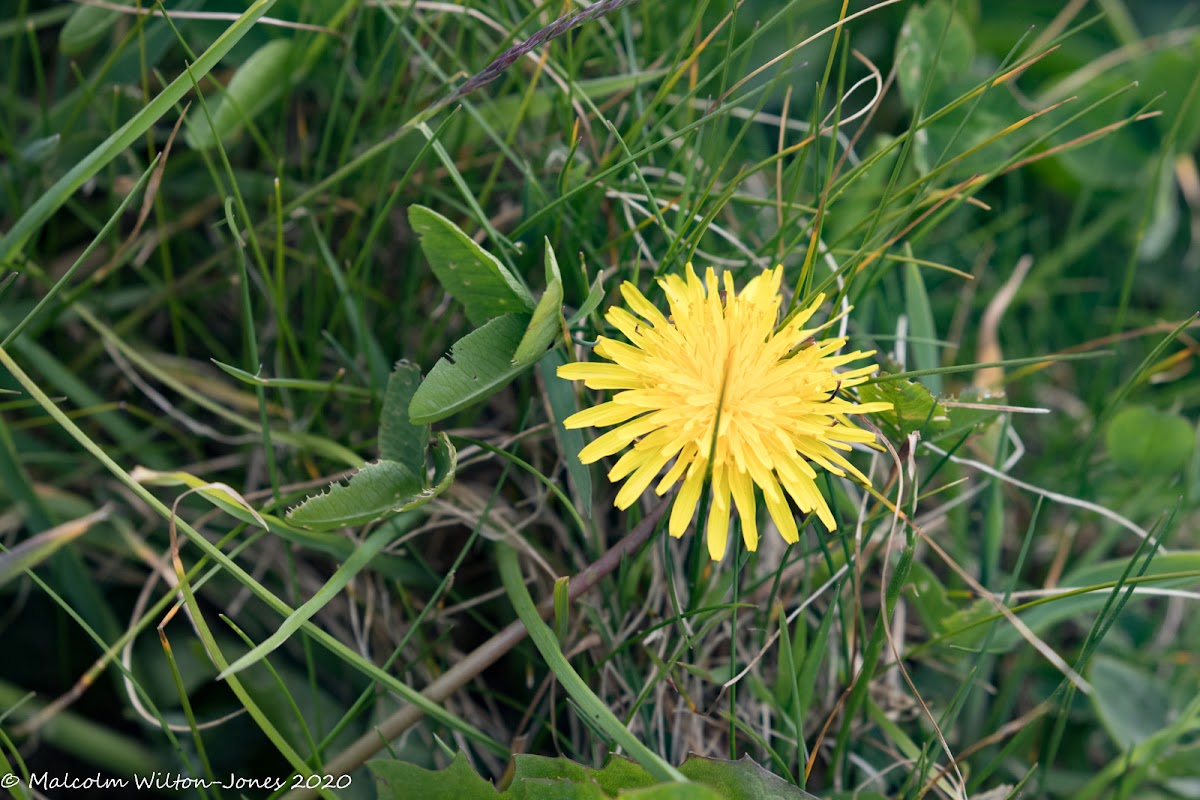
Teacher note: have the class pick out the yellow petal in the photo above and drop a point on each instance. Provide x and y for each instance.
(718, 519)
(651, 464)
(617, 438)
(601, 375)
(743, 495)
(603, 415)
(685, 502)
(781, 513)
(641, 306)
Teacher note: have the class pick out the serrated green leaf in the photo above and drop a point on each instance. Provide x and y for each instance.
(1146, 441)
(479, 365)
(378, 490)
(546, 322)
(913, 407)
(552, 789)
(399, 439)
(398, 780)
(561, 396)
(258, 82)
(530, 767)
(743, 779)
(1130, 702)
(470, 274)
(620, 774)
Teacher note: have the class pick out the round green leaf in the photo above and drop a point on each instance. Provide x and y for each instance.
(1145, 440)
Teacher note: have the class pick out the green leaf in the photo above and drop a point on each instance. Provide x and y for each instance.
(470, 274)
(399, 439)
(550, 789)
(445, 463)
(547, 317)
(922, 54)
(620, 773)
(1130, 702)
(959, 421)
(674, 791)
(398, 780)
(928, 596)
(86, 26)
(378, 490)
(922, 329)
(479, 365)
(1146, 441)
(741, 780)
(561, 396)
(594, 296)
(34, 550)
(58, 194)
(258, 83)
(912, 407)
(1173, 570)
(357, 561)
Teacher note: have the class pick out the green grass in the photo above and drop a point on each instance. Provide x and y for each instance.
(211, 274)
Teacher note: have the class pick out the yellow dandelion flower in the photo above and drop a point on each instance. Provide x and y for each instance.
(717, 363)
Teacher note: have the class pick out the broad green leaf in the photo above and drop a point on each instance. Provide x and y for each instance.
(922, 329)
(561, 396)
(1164, 220)
(470, 274)
(86, 26)
(543, 778)
(620, 773)
(1146, 441)
(551, 789)
(928, 596)
(1168, 75)
(257, 83)
(36, 549)
(358, 560)
(967, 626)
(675, 791)
(913, 407)
(399, 780)
(546, 322)
(378, 490)
(959, 421)
(1130, 702)
(740, 780)
(478, 366)
(399, 439)
(935, 46)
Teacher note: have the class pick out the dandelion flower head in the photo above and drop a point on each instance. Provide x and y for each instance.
(718, 365)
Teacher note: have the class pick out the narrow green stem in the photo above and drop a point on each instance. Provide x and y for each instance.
(591, 705)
